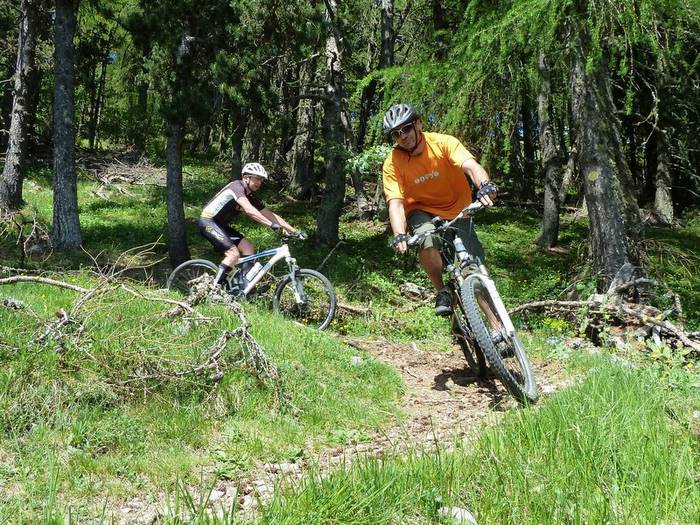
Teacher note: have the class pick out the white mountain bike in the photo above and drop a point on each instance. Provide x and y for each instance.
(303, 295)
(480, 321)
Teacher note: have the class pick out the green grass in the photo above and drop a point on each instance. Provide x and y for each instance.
(74, 408)
(608, 450)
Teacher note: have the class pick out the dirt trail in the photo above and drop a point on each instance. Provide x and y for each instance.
(443, 401)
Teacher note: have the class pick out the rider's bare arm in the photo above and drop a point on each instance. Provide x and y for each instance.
(478, 176)
(252, 212)
(397, 218)
(272, 216)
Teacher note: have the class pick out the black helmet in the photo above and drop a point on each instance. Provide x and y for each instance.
(397, 116)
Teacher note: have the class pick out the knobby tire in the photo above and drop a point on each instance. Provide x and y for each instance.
(187, 271)
(320, 310)
(514, 372)
(465, 339)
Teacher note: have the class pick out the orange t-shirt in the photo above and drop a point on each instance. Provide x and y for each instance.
(432, 181)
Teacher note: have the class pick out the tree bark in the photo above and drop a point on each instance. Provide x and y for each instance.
(97, 106)
(552, 159)
(13, 172)
(66, 233)
(302, 180)
(614, 228)
(335, 134)
(239, 123)
(142, 120)
(386, 56)
(440, 27)
(386, 59)
(528, 147)
(663, 202)
(177, 245)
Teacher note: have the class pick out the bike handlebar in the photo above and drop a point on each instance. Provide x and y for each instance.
(441, 224)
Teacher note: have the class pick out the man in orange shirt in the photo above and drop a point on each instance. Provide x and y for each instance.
(425, 176)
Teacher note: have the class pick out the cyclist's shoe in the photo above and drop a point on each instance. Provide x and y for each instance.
(259, 290)
(443, 302)
(235, 291)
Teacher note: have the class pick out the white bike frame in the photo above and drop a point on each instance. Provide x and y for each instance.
(275, 254)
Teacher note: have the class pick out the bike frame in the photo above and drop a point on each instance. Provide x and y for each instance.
(276, 255)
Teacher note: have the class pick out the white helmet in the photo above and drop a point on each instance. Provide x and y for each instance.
(253, 168)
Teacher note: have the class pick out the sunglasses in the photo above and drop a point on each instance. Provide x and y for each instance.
(403, 130)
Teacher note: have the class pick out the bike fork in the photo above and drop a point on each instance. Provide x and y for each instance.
(497, 302)
(297, 287)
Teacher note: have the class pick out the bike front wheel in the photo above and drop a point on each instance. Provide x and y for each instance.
(506, 354)
(307, 298)
(182, 277)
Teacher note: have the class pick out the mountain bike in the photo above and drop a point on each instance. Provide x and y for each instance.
(480, 322)
(303, 295)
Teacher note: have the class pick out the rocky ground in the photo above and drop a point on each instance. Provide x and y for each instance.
(444, 401)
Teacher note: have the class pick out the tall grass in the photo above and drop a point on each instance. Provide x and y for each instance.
(604, 451)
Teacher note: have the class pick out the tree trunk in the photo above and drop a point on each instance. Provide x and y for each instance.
(177, 245)
(386, 56)
(302, 179)
(552, 160)
(663, 202)
(97, 106)
(528, 148)
(66, 224)
(516, 161)
(440, 29)
(237, 136)
(386, 59)
(13, 172)
(607, 180)
(335, 134)
(142, 123)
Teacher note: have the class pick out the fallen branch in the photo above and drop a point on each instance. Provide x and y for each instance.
(565, 305)
(664, 325)
(642, 314)
(179, 304)
(42, 280)
(323, 263)
(353, 309)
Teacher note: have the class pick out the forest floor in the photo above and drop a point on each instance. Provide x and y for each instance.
(444, 404)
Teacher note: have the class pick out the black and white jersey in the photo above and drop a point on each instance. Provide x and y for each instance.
(224, 206)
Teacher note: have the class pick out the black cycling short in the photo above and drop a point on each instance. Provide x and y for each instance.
(221, 237)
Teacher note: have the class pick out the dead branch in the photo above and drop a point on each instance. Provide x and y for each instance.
(323, 263)
(353, 309)
(555, 305)
(42, 280)
(180, 306)
(625, 313)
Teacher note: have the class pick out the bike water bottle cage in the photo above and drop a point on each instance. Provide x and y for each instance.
(487, 188)
(398, 238)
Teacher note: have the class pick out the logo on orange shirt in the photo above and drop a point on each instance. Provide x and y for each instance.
(426, 177)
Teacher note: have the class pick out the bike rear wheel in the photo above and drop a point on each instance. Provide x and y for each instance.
(180, 280)
(506, 354)
(316, 305)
